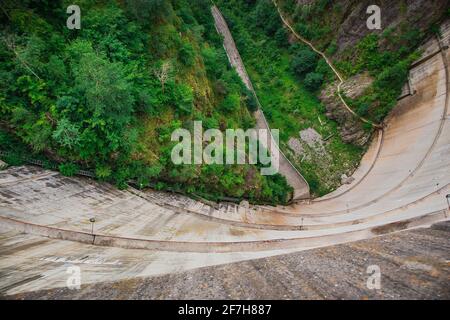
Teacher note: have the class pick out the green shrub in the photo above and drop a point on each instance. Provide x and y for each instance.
(231, 102)
(68, 169)
(303, 62)
(313, 81)
(103, 172)
(183, 98)
(187, 54)
(13, 159)
(393, 77)
(252, 105)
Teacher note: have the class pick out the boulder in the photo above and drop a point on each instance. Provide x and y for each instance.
(351, 128)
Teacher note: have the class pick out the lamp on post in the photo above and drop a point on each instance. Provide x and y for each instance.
(92, 220)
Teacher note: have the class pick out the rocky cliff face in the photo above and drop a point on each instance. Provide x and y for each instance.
(351, 128)
(394, 15)
(345, 22)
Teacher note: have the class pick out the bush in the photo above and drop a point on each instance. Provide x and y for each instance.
(231, 102)
(183, 98)
(252, 105)
(68, 169)
(304, 61)
(13, 159)
(332, 48)
(187, 54)
(103, 172)
(210, 58)
(313, 81)
(393, 77)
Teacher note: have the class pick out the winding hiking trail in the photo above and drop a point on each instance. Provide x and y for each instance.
(336, 72)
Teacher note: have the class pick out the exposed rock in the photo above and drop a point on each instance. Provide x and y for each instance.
(244, 204)
(314, 141)
(3, 164)
(311, 137)
(355, 86)
(346, 180)
(296, 146)
(394, 14)
(305, 2)
(351, 128)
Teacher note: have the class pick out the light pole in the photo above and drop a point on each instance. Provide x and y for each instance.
(92, 220)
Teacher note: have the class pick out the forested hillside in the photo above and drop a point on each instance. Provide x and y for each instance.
(298, 90)
(107, 97)
(339, 28)
(287, 77)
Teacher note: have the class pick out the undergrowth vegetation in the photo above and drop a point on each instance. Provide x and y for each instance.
(386, 55)
(286, 78)
(107, 97)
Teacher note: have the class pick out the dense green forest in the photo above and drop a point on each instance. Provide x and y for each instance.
(107, 97)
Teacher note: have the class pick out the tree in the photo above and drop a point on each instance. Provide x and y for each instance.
(105, 87)
(187, 54)
(163, 73)
(147, 12)
(231, 102)
(66, 134)
(10, 43)
(313, 81)
(106, 107)
(304, 61)
(267, 18)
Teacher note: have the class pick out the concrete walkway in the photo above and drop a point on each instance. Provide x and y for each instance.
(413, 265)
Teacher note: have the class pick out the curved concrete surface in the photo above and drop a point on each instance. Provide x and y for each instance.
(420, 271)
(401, 184)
